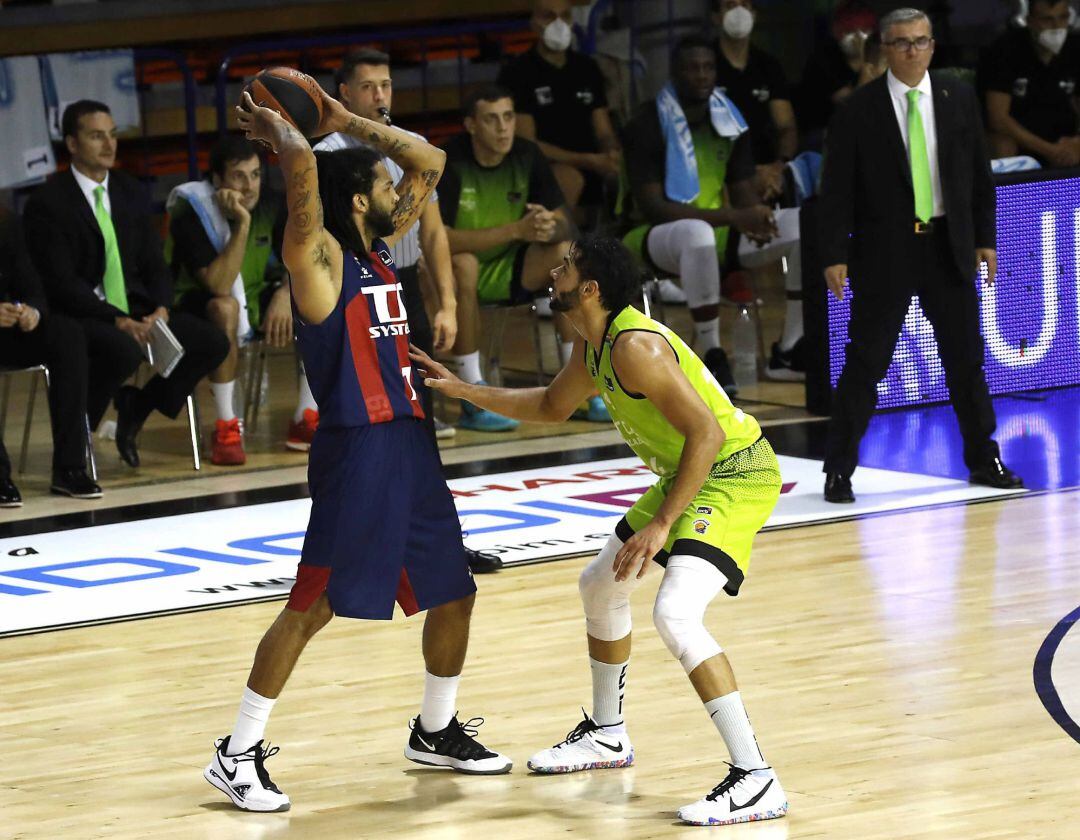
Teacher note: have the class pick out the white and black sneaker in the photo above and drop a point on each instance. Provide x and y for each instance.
(455, 747)
(787, 365)
(589, 746)
(243, 778)
(743, 796)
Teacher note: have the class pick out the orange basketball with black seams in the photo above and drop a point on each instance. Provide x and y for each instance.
(294, 95)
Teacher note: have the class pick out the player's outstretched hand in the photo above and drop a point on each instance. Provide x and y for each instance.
(436, 376)
(257, 123)
(634, 557)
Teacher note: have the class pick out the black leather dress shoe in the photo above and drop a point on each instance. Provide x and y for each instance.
(838, 489)
(128, 423)
(74, 483)
(481, 562)
(9, 494)
(995, 474)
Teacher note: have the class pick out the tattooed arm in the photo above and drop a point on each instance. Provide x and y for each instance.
(312, 255)
(422, 163)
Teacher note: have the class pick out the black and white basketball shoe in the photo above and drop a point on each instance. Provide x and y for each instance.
(455, 747)
(243, 777)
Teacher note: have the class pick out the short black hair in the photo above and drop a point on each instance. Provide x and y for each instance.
(364, 55)
(342, 174)
(607, 261)
(232, 148)
(692, 41)
(69, 122)
(487, 93)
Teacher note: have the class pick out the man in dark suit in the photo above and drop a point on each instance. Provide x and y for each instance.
(91, 235)
(31, 335)
(908, 203)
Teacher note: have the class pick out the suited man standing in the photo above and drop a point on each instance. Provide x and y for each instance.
(90, 233)
(908, 208)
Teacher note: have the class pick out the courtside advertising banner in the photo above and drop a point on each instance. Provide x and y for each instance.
(244, 554)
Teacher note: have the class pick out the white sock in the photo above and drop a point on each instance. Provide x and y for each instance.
(707, 334)
(223, 399)
(305, 400)
(793, 324)
(437, 707)
(469, 367)
(251, 722)
(608, 689)
(566, 352)
(729, 717)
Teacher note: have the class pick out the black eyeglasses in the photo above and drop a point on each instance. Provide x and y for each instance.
(921, 43)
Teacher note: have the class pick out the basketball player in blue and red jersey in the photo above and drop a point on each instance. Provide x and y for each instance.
(383, 525)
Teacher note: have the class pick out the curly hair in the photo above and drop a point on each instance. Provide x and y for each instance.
(607, 261)
(342, 174)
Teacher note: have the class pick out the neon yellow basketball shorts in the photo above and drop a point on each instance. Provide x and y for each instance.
(720, 523)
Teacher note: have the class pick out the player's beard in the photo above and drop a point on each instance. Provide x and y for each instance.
(566, 301)
(380, 223)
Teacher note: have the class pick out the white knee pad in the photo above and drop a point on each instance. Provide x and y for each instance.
(690, 583)
(688, 247)
(606, 600)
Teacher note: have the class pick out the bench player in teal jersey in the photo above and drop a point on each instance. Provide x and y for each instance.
(718, 482)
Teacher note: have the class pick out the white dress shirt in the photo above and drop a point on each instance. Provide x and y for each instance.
(898, 92)
(88, 185)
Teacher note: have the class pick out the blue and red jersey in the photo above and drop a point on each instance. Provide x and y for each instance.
(357, 360)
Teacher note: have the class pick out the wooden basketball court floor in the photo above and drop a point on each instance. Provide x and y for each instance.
(886, 663)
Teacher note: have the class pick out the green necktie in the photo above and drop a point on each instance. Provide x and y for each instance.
(115, 292)
(920, 160)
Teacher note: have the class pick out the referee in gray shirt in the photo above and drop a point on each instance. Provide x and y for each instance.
(364, 87)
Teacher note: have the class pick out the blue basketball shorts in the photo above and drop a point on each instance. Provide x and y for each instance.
(383, 524)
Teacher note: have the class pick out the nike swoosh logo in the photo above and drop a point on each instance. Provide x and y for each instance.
(420, 738)
(616, 748)
(231, 776)
(752, 801)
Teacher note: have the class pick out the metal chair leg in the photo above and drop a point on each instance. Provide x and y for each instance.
(193, 428)
(91, 461)
(538, 347)
(29, 419)
(4, 403)
(494, 364)
(256, 386)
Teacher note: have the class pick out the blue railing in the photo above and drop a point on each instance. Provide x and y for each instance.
(190, 99)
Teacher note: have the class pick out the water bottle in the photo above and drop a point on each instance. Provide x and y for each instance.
(744, 342)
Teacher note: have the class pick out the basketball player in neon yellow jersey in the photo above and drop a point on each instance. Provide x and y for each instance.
(718, 482)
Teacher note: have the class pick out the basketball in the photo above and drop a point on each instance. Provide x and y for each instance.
(295, 95)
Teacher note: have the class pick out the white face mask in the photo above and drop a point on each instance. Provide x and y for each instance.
(558, 35)
(1053, 39)
(851, 44)
(738, 23)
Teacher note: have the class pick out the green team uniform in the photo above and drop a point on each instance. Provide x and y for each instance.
(188, 249)
(742, 488)
(719, 159)
(474, 197)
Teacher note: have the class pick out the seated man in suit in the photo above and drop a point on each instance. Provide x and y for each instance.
(31, 335)
(224, 241)
(91, 235)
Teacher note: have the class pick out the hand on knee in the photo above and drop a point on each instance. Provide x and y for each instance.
(606, 600)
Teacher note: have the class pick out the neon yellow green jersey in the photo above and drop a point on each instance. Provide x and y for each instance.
(641, 424)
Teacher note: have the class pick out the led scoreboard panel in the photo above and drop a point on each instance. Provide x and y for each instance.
(1030, 315)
